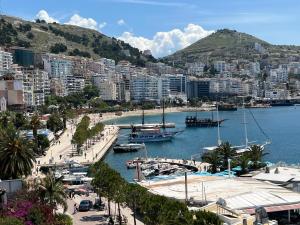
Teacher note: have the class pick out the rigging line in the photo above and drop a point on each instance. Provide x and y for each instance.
(260, 128)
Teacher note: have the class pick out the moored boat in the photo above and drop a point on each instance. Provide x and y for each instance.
(151, 135)
(193, 121)
(227, 107)
(131, 147)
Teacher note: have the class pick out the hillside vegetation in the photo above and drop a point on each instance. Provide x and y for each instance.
(230, 45)
(67, 39)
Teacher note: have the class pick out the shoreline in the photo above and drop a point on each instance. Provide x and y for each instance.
(111, 115)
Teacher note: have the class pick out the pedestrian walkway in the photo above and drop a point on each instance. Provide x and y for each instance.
(95, 217)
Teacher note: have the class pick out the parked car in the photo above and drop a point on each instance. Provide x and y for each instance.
(85, 205)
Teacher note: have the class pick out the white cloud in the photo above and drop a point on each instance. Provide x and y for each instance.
(43, 15)
(77, 20)
(121, 22)
(165, 43)
(102, 25)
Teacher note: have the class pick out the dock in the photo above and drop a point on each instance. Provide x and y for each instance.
(189, 164)
(129, 126)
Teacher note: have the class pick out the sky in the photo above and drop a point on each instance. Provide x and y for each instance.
(165, 26)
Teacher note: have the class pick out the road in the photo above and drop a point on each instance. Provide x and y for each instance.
(95, 217)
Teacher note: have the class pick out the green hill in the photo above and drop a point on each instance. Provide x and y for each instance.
(66, 39)
(230, 45)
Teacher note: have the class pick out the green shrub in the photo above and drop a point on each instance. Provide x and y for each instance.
(10, 221)
(63, 219)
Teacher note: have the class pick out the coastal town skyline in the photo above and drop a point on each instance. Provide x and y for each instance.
(149, 112)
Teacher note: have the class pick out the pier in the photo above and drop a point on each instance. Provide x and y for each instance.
(129, 126)
(188, 164)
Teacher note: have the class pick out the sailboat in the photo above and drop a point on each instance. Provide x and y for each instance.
(219, 141)
(244, 148)
(153, 134)
(241, 148)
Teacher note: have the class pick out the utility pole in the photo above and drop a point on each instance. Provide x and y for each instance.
(186, 188)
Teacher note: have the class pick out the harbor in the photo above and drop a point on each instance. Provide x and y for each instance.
(174, 168)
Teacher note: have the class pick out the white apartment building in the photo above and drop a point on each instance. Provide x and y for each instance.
(109, 64)
(279, 75)
(75, 84)
(163, 88)
(254, 68)
(36, 87)
(276, 94)
(144, 88)
(234, 86)
(59, 68)
(258, 47)
(195, 69)
(107, 88)
(220, 66)
(6, 61)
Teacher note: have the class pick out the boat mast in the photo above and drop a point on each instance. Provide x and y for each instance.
(163, 115)
(245, 124)
(143, 115)
(218, 119)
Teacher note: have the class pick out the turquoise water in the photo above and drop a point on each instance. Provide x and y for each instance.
(281, 124)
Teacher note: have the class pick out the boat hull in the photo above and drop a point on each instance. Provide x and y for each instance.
(125, 150)
(149, 139)
(199, 123)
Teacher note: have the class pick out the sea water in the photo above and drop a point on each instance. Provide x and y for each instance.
(280, 124)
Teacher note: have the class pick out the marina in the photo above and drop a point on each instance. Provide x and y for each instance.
(282, 124)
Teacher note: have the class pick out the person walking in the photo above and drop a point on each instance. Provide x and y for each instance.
(75, 208)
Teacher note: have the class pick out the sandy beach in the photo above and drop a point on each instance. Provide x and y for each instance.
(112, 115)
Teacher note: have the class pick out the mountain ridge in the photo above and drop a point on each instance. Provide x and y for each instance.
(67, 39)
(228, 44)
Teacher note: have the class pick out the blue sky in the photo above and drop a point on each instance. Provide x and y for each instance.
(139, 21)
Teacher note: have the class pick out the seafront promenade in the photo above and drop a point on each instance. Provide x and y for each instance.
(61, 149)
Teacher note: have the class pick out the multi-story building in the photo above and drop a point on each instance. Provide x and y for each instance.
(144, 88)
(220, 66)
(276, 94)
(12, 91)
(279, 75)
(57, 87)
(107, 88)
(254, 68)
(195, 69)
(75, 84)
(6, 61)
(36, 86)
(59, 68)
(177, 83)
(197, 88)
(163, 86)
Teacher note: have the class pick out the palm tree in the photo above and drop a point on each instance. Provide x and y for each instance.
(52, 192)
(256, 155)
(244, 162)
(35, 124)
(213, 158)
(226, 152)
(16, 154)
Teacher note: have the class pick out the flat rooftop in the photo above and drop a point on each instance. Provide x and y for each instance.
(283, 175)
(239, 193)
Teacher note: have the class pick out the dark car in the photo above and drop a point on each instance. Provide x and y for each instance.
(85, 205)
